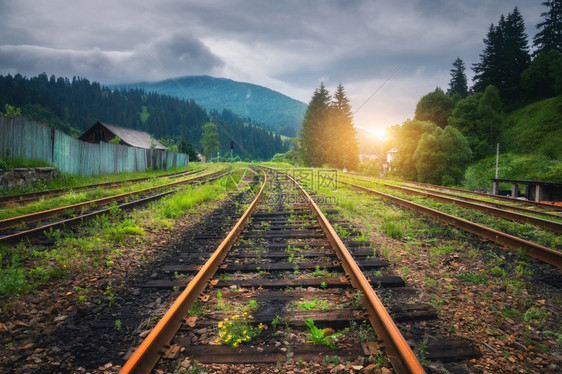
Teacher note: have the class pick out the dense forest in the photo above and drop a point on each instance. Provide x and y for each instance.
(257, 104)
(74, 105)
(515, 101)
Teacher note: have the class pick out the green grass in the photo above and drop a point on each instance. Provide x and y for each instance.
(69, 180)
(20, 162)
(513, 166)
(78, 197)
(311, 305)
(535, 316)
(472, 278)
(535, 129)
(97, 243)
(497, 271)
(529, 147)
(392, 229)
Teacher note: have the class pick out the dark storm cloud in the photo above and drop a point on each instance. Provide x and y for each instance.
(171, 55)
(287, 45)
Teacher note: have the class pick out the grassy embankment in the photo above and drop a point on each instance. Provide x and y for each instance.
(530, 147)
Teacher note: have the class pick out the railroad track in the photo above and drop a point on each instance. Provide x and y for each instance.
(537, 251)
(499, 210)
(545, 208)
(35, 224)
(282, 274)
(33, 196)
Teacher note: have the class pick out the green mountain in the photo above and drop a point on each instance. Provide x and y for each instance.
(269, 108)
(72, 106)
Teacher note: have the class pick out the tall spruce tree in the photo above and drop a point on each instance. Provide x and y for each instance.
(343, 144)
(458, 84)
(550, 34)
(328, 135)
(488, 70)
(314, 127)
(505, 57)
(516, 57)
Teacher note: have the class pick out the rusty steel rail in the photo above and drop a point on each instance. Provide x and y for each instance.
(399, 353)
(513, 216)
(31, 196)
(440, 191)
(148, 353)
(484, 194)
(46, 214)
(537, 251)
(63, 223)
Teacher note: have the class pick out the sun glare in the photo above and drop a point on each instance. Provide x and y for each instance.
(378, 132)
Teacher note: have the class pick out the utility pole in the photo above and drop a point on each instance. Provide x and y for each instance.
(497, 159)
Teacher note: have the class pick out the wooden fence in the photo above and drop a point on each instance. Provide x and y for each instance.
(20, 137)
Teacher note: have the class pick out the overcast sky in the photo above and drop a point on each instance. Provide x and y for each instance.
(392, 51)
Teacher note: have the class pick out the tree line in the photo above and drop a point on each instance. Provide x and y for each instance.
(454, 128)
(72, 106)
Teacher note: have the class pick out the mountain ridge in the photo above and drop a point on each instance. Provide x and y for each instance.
(266, 107)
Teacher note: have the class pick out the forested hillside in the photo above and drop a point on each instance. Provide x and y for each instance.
(263, 106)
(74, 105)
(515, 101)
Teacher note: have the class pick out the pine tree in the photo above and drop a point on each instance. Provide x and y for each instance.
(314, 127)
(516, 57)
(550, 34)
(458, 84)
(505, 57)
(342, 143)
(488, 70)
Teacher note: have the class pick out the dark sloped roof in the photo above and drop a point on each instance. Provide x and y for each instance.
(134, 138)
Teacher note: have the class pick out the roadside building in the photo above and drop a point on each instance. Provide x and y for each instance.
(104, 132)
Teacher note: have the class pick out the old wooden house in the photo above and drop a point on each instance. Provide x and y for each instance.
(103, 132)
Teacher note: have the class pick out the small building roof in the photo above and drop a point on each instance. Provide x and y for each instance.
(134, 138)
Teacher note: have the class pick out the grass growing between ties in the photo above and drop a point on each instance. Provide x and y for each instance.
(315, 304)
(98, 244)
